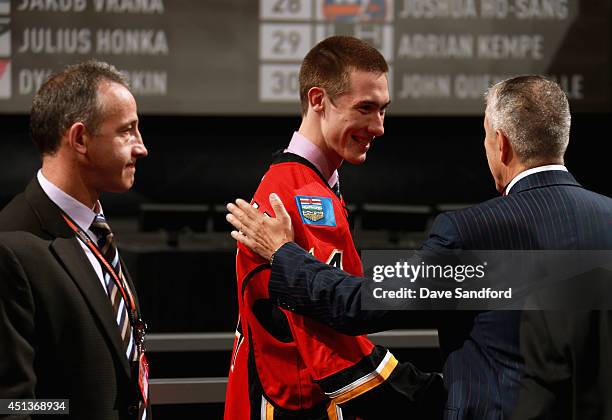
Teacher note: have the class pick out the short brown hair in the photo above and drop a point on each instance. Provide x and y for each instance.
(329, 63)
(66, 98)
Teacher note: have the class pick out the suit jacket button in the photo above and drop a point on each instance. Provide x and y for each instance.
(133, 409)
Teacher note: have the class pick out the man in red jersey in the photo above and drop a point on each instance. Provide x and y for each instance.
(287, 366)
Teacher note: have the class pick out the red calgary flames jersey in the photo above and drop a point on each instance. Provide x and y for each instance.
(285, 365)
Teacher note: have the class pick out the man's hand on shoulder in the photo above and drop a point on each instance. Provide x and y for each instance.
(260, 233)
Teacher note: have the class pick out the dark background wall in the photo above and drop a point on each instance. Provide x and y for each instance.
(211, 160)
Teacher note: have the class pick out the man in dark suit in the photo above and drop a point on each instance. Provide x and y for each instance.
(527, 124)
(70, 327)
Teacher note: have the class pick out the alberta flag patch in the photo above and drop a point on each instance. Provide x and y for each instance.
(317, 211)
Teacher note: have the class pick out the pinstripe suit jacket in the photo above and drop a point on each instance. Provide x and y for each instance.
(482, 356)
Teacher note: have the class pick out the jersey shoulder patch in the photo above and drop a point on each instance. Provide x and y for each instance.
(318, 211)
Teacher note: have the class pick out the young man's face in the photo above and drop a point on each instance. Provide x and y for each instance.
(352, 120)
(116, 144)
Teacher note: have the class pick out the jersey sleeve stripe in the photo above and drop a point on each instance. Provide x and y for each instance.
(267, 409)
(366, 382)
(334, 412)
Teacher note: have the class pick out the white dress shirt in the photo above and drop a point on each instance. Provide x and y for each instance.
(533, 171)
(80, 213)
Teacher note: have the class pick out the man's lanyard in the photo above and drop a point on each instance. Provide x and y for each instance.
(137, 323)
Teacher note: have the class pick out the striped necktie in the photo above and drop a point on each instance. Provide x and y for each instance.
(106, 244)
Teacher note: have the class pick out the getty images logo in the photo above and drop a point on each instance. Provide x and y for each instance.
(5, 49)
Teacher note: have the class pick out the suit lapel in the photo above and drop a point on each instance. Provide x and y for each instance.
(68, 251)
(72, 257)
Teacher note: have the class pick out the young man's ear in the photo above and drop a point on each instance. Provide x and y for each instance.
(78, 137)
(316, 97)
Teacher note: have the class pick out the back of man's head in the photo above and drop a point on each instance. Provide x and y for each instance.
(69, 97)
(329, 63)
(533, 113)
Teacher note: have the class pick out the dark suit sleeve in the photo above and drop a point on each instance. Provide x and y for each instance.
(545, 384)
(300, 283)
(443, 236)
(17, 377)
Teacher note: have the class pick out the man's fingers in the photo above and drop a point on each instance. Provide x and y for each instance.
(249, 216)
(249, 243)
(253, 227)
(242, 218)
(242, 239)
(238, 236)
(234, 210)
(279, 208)
(249, 211)
(233, 220)
(239, 222)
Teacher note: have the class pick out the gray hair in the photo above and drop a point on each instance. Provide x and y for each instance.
(533, 112)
